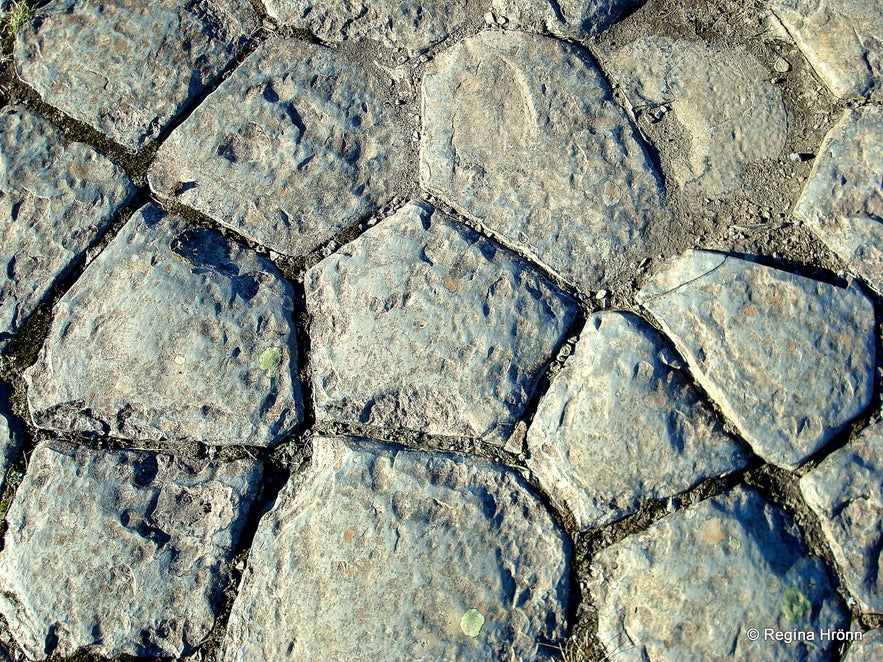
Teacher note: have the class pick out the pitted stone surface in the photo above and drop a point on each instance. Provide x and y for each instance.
(298, 143)
(378, 553)
(423, 324)
(56, 197)
(789, 360)
(846, 492)
(843, 199)
(119, 551)
(869, 649)
(842, 39)
(722, 97)
(691, 586)
(575, 19)
(521, 132)
(127, 67)
(620, 424)
(10, 435)
(172, 333)
(394, 23)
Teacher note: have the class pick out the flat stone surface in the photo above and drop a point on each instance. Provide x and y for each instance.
(842, 39)
(869, 649)
(846, 492)
(422, 324)
(692, 585)
(10, 435)
(843, 199)
(521, 132)
(172, 333)
(574, 19)
(119, 551)
(56, 198)
(127, 67)
(723, 99)
(297, 144)
(394, 23)
(620, 425)
(789, 360)
(380, 553)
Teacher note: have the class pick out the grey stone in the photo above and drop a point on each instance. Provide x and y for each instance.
(842, 39)
(867, 649)
(521, 132)
(126, 67)
(843, 199)
(172, 333)
(421, 323)
(120, 551)
(10, 435)
(789, 360)
(846, 492)
(733, 116)
(574, 19)
(56, 198)
(620, 425)
(295, 145)
(691, 586)
(379, 553)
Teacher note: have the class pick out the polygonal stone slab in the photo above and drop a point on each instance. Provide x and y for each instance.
(119, 551)
(295, 145)
(379, 553)
(846, 492)
(56, 198)
(422, 324)
(574, 19)
(842, 39)
(127, 67)
(722, 97)
(789, 360)
(620, 425)
(867, 649)
(521, 132)
(10, 434)
(843, 199)
(694, 584)
(172, 333)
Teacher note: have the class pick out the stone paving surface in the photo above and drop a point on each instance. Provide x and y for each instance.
(869, 649)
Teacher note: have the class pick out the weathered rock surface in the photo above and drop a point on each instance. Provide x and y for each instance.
(119, 551)
(172, 333)
(56, 197)
(789, 360)
(620, 425)
(842, 39)
(722, 97)
(846, 492)
(692, 585)
(294, 146)
(422, 324)
(521, 132)
(10, 435)
(843, 199)
(575, 19)
(869, 649)
(379, 553)
(127, 67)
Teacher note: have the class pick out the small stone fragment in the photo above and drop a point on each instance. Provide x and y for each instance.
(867, 649)
(695, 585)
(162, 290)
(119, 552)
(10, 435)
(782, 65)
(618, 426)
(126, 67)
(572, 19)
(788, 359)
(379, 553)
(423, 324)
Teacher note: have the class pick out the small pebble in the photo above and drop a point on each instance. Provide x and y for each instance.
(782, 65)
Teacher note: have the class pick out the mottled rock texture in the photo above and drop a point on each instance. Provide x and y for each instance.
(869, 649)
(10, 434)
(574, 19)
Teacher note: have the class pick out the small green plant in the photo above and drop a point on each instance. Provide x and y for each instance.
(14, 18)
(795, 605)
(472, 622)
(270, 360)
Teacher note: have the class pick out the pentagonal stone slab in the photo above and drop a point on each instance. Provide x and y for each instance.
(842, 39)
(423, 324)
(843, 199)
(722, 97)
(56, 197)
(846, 492)
(574, 19)
(693, 585)
(173, 332)
(119, 551)
(521, 132)
(867, 649)
(298, 143)
(789, 360)
(10, 434)
(127, 67)
(620, 424)
(378, 553)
